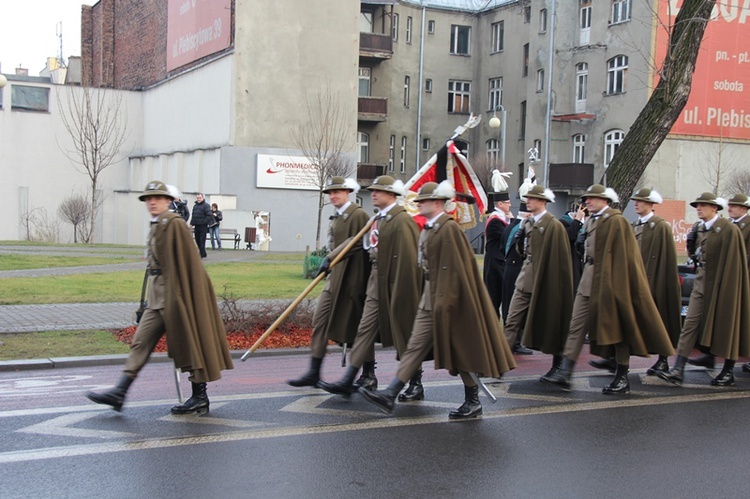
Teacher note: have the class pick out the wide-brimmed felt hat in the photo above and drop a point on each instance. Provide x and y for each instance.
(155, 188)
(341, 184)
(432, 191)
(709, 198)
(739, 200)
(539, 192)
(599, 191)
(648, 196)
(388, 184)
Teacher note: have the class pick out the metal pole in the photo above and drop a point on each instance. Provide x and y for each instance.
(548, 119)
(419, 90)
(502, 138)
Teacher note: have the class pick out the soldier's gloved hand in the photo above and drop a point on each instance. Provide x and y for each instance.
(325, 266)
(690, 242)
(580, 243)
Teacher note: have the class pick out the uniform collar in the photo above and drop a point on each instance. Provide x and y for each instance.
(341, 210)
(646, 218)
(710, 223)
(433, 220)
(539, 217)
(385, 210)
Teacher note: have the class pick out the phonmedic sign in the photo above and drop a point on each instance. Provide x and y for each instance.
(195, 29)
(286, 172)
(719, 103)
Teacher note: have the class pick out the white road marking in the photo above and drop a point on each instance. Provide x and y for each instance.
(60, 426)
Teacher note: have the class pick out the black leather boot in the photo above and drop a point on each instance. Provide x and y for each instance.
(311, 377)
(746, 367)
(471, 407)
(415, 390)
(620, 385)
(676, 374)
(706, 360)
(661, 366)
(344, 386)
(114, 396)
(367, 379)
(606, 364)
(383, 399)
(196, 404)
(726, 376)
(556, 359)
(561, 376)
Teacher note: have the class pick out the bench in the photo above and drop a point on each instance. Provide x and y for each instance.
(224, 235)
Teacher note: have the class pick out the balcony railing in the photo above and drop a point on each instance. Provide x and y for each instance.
(366, 172)
(375, 45)
(570, 176)
(372, 108)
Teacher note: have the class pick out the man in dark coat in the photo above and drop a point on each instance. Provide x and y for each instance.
(494, 247)
(543, 298)
(718, 316)
(201, 219)
(340, 304)
(573, 223)
(613, 302)
(455, 319)
(392, 293)
(182, 304)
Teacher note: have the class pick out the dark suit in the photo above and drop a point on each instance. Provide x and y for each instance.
(494, 258)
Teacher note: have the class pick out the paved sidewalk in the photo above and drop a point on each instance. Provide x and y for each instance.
(68, 316)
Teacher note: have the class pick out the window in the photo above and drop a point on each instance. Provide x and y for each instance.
(526, 60)
(616, 69)
(408, 29)
(407, 84)
(543, 21)
(365, 22)
(403, 154)
(584, 22)
(430, 27)
(522, 133)
(621, 11)
(527, 14)
(364, 82)
(496, 93)
(391, 152)
(425, 144)
(460, 39)
(582, 83)
(428, 85)
(579, 148)
(27, 98)
(459, 93)
(493, 151)
(498, 37)
(394, 28)
(612, 141)
(363, 147)
(539, 80)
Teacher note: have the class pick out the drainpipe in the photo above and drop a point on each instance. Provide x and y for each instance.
(419, 89)
(548, 119)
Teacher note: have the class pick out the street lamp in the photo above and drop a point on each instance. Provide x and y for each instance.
(3, 80)
(496, 122)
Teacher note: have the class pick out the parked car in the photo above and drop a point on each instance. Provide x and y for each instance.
(687, 277)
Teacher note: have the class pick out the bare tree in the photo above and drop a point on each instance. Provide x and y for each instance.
(40, 226)
(738, 182)
(324, 138)
(75, 209)
(97, 123)
(666, 102)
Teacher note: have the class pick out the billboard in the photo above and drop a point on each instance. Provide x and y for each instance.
(718, 105)
(196, 28)
(286, 172)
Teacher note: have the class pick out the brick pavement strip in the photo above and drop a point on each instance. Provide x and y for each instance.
(68, 316)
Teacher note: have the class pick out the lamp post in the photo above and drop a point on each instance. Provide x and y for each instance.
(496, 122)
(3, 80)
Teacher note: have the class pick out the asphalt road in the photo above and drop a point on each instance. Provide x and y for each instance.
(265, 439)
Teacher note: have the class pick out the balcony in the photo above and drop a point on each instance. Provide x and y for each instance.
(366, 172)
(375, 46)
(372, 109)
(570, 177)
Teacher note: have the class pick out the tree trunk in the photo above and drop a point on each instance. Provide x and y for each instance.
(320, 216)
(665, 104)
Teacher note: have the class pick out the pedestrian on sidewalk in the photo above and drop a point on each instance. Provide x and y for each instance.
(200, 221)
(181, 303)
(214, 227)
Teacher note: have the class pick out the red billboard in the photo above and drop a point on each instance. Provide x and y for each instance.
(719, 103)
(196, 28)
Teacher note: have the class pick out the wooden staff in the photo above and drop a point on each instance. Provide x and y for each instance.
(309, 288)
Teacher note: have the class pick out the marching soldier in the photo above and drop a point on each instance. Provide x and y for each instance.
(455, 317)
(543, 298)
(738, 207)
(654, 237)
(613, 302)
(340, 304)
(392, 293)
(181, 303)
(718, 316)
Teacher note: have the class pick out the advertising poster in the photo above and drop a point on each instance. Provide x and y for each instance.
(287, 172)
(197, 28)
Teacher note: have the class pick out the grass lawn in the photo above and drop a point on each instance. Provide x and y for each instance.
(47, 344)
(23, 262)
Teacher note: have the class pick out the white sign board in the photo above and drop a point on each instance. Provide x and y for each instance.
(286, 172)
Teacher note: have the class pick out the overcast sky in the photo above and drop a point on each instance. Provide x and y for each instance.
(28, 32)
